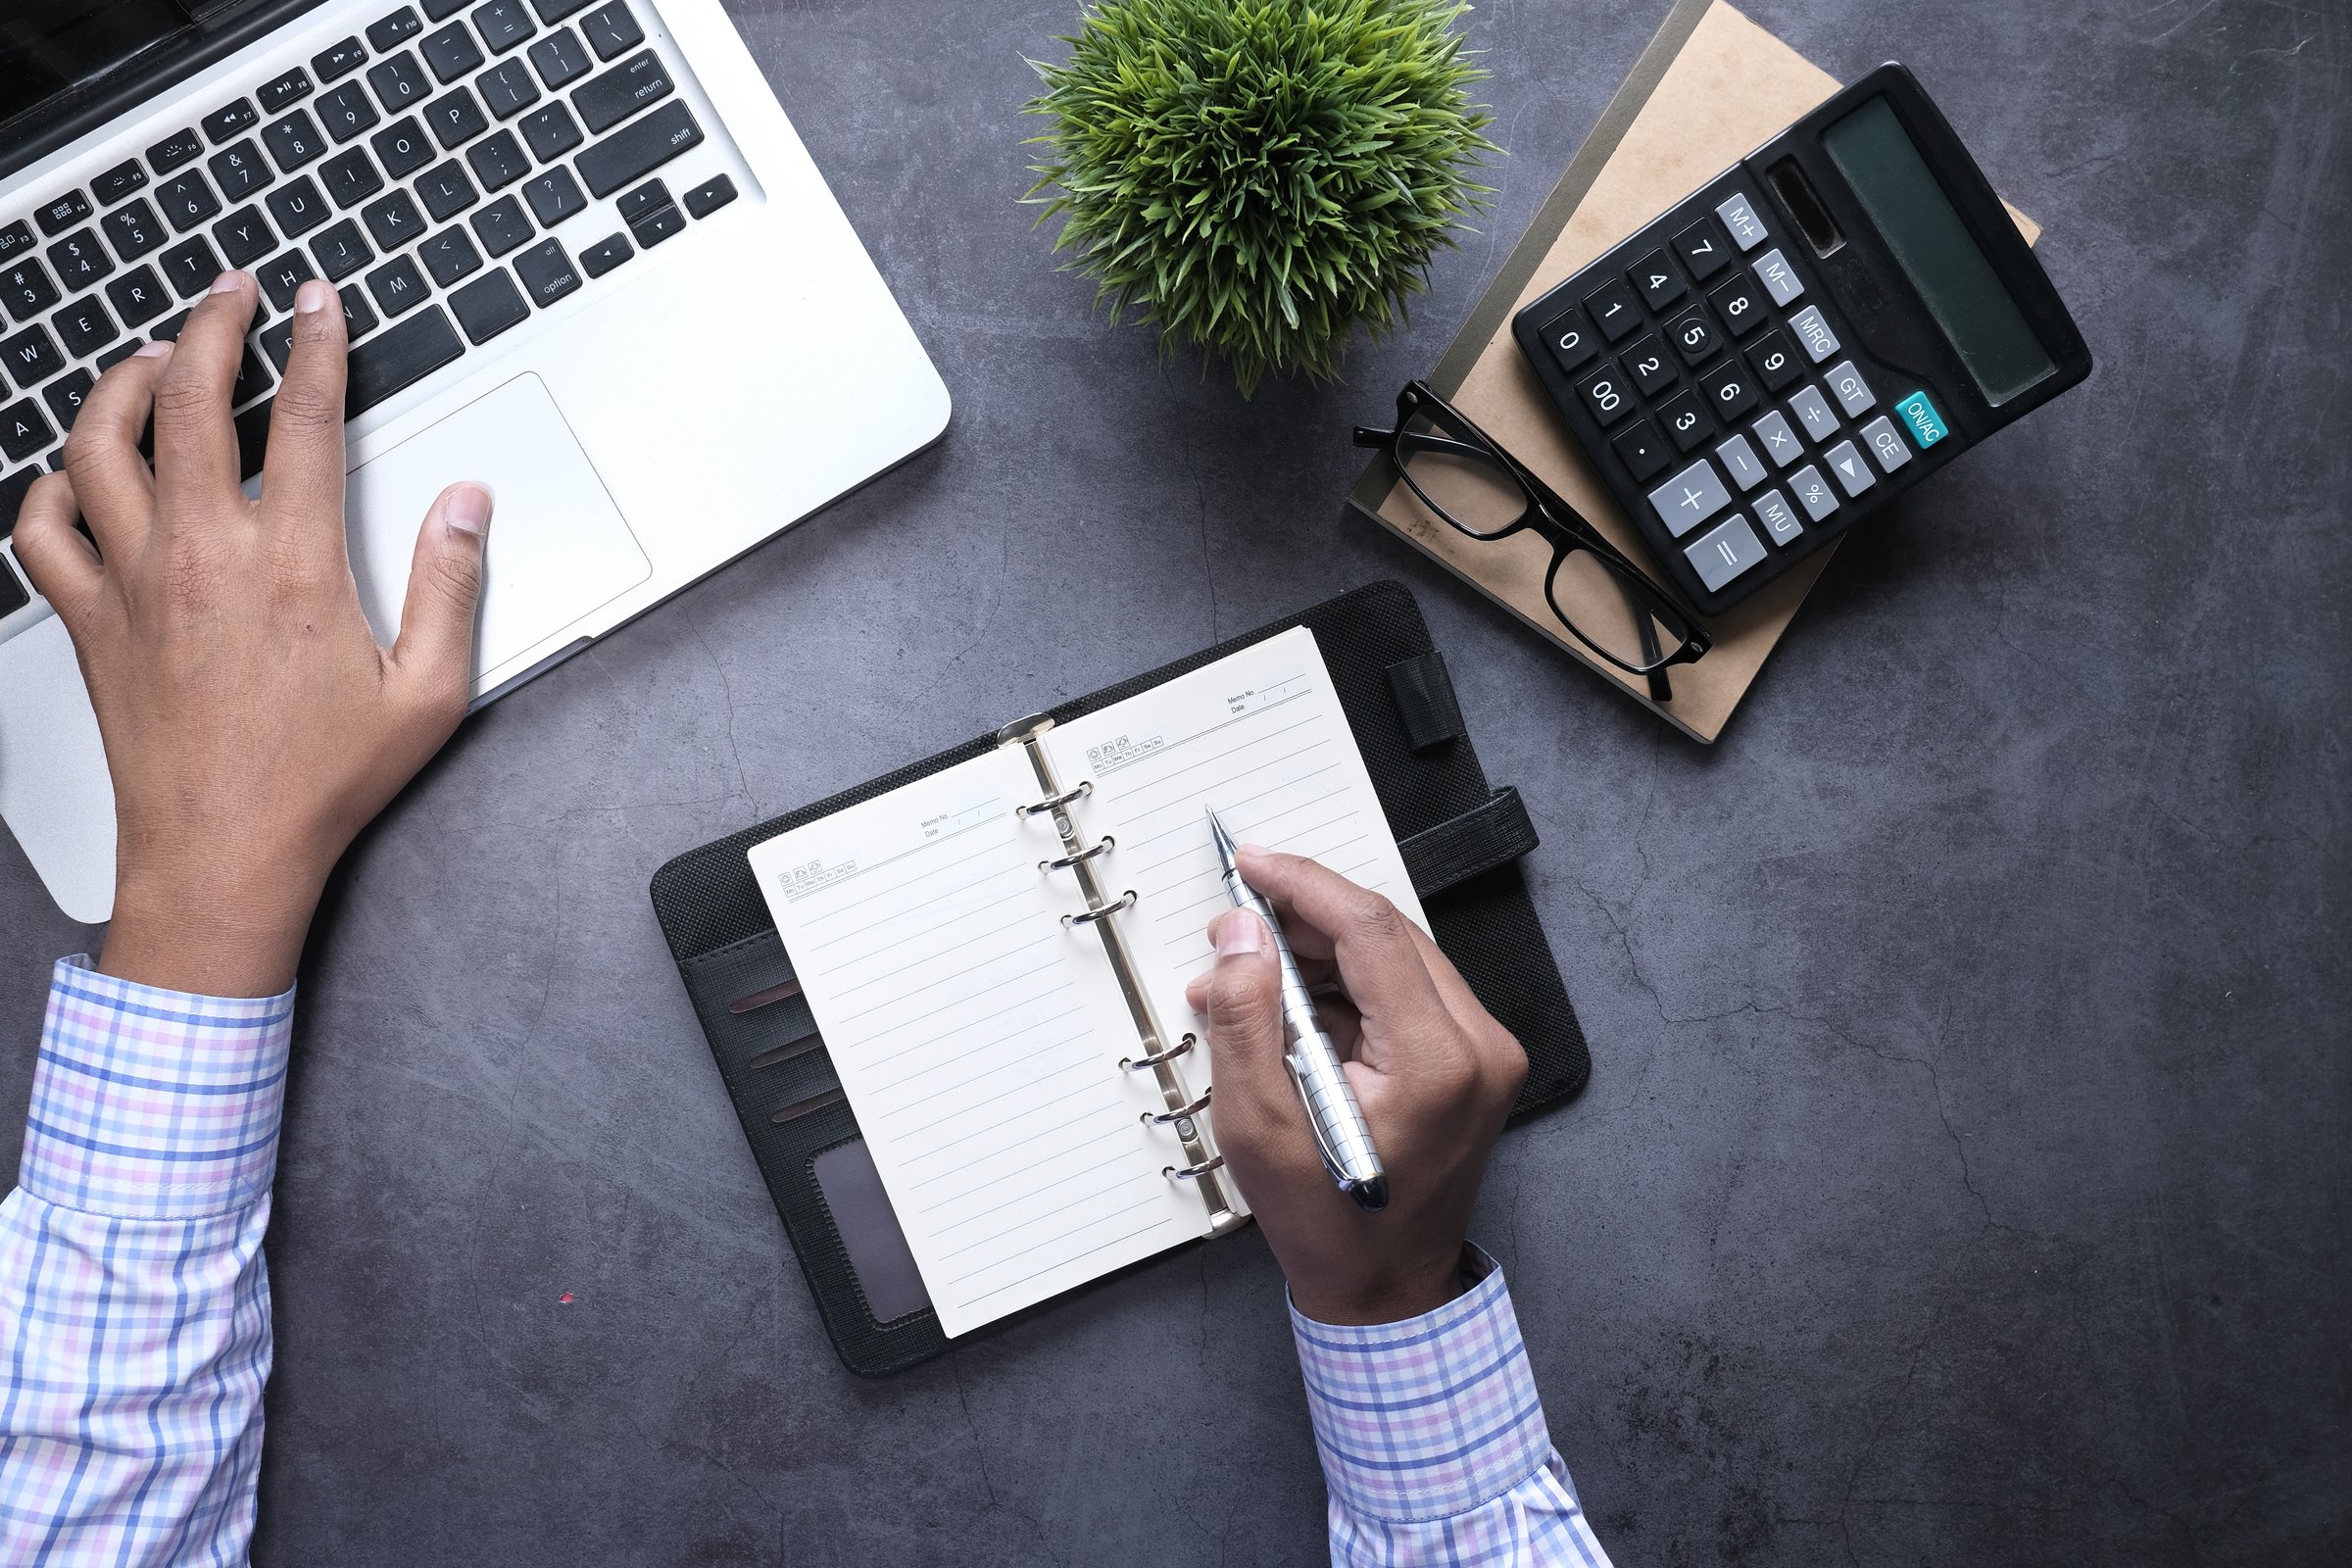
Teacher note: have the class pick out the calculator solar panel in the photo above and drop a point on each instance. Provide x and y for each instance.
(1801, 340)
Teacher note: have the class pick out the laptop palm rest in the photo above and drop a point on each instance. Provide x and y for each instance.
(559, 546)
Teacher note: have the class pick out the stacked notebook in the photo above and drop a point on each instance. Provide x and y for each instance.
(949, 1005)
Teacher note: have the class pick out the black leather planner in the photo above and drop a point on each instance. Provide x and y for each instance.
(1460, 838)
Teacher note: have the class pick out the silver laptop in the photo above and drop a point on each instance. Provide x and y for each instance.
(583, 256)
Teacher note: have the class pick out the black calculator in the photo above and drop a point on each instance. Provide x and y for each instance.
(1808, 335)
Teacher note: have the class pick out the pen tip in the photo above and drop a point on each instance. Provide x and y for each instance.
(1218, 836)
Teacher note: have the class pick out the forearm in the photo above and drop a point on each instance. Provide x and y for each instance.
(1433, 1439)
(134, 1313)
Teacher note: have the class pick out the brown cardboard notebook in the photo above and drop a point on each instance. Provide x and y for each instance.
(1711, 88)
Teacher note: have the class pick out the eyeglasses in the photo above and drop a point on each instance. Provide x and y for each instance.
(1473, 484)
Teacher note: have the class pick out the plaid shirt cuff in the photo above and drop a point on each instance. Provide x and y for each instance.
(1430, 1417)
(151, 1104)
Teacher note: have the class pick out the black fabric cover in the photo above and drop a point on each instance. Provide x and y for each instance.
(727, 948)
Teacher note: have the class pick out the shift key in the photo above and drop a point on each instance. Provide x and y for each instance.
(406, 354)
(634, 153)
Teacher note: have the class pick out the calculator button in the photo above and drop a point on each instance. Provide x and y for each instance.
(1605, 393)
(1739, 305)
(1888, 447)
(1693, 338)
(1812, 410)
(1655, 280)
(1613, 310)
(1852, 392)
(1570, 337)
(1920, 417)
(1646, 362)
(1690, 498)
(1778, 517)
(1780, 442)
(1729, 549)
(1686, 419)
(1642, 451)
(1814, 333)
(1813, 492)
(1703, 249)
(1730, 392)
(1775, 362)
(1741, 461)
(1853, 474)
(1748, 230)
(1778, 278)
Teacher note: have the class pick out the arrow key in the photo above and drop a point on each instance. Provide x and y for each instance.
(1847, 461)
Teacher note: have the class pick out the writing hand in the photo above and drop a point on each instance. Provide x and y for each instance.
(1433, 1072)
(252, 725)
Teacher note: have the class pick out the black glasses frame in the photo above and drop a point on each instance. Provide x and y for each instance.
(1548, 515)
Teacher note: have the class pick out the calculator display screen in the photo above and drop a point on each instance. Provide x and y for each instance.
(1933, 246)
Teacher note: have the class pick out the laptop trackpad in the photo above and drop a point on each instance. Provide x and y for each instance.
(559, 546)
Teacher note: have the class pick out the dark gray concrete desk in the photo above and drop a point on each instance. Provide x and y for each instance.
(1963, 1173)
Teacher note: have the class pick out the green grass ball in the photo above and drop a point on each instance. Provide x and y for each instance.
(1259, 176)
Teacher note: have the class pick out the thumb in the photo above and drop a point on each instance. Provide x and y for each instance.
(1245, 1008)
(445, 583)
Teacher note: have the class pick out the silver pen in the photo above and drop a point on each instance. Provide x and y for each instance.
(1341, 1136)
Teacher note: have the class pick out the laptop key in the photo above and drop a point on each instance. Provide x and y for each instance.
(80, 260)
(503, 24)
(26, 289)
(278, 343)
(119, 183)
(452, 52)
(252, 438)
(456, 119)
(606, 253)
(446, 191)
(282, 276)
(488, 305)
(639, 147)
(24, 430)
(547, 272)
(398, 286)
(187, 200)
(507, 89)
(554, 196)
(501, 225)
(340, 251)
(84, 326)
(605, 100)
(168, 329)
(132, 231)
(551, 133)
(339, 59)
(245, 237)
(291, 88)
(393, 221)
(350, 178)
(358, 320)
(294, 140)
(560, 58)
(180, 147)
(499, 162)
(31, 356)
(450, 256)
(15, 240)
(138, 296)
(398, 27)
(649, 197)
(118, 354)
(403, 356)
(660, 224)
(611, 30)
(253, 379)
(551, 12)
(222, 123)
(346, 112)
(12, 500)
(439, 9)
(710, 196)
(240, 171)
(402, 148)
(400, 83)
(63, 213)
(298, 208)
(191, 267)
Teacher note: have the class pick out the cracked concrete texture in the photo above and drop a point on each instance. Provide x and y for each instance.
(1961, 1178)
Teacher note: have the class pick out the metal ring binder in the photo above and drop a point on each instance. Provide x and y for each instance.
(1100, 846)
(1054, 803)
(1138, 1063)
(1100, 911)
(1181, 1112)
(1080, 860)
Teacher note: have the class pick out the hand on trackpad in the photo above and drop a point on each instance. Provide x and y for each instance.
(560, 548)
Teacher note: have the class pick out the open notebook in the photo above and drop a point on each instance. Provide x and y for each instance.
(994, 954)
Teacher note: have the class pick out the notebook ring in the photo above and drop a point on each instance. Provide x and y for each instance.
(1163, 1118)
(1054, 803)
(1185, 1173)
(1090, 917)
(1100, 846)
(1180, 1047)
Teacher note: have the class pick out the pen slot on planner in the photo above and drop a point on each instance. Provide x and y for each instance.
(803, 1107)
(762, 999)
(779, 1055)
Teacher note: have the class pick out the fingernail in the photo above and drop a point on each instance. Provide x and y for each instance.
(153, 351)
(468, 509)
(1251, 848)
(313, 297)
(227, 283)
(1239, 931)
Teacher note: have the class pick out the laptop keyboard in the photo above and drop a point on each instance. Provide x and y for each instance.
(418, 167)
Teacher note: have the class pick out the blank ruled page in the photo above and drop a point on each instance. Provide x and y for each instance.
(977, 1039)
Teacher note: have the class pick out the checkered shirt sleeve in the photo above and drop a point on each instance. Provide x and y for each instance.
(134, 1308)
(1433, 1439)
